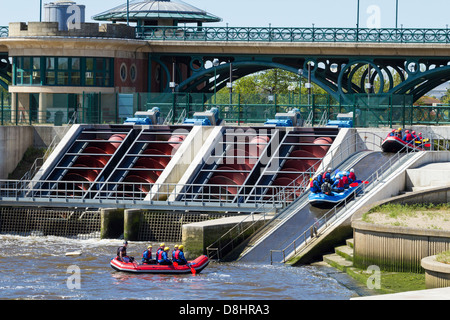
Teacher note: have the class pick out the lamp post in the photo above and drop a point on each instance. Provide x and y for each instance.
(128, 12)
(215, 65)
(40, 11)
(396, 14)
(300, 72)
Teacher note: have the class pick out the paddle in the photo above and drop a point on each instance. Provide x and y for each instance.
(193, 271)
(360, 181)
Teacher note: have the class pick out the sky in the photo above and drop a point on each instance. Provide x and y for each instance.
(278, 13)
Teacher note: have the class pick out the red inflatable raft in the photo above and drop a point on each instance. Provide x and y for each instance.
(194, 266)
(394, 144)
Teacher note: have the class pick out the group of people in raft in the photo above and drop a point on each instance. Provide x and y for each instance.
(408, 136)
(161, 256)
(327, 184)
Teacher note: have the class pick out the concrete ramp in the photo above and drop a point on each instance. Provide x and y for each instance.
(299, 217)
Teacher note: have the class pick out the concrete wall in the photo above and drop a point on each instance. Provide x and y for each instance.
(397, 249)
(14, 141)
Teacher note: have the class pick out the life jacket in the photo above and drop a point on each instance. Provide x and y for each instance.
(177, 254)
(352, 176)
(345, 181)
(340, 183)
(146, 255)
(408, 137)
(312, 184)
(160, 255)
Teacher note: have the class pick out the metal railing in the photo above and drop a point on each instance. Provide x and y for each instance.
(122, 192)
(4, 32)
(286, 34)
(438, 143)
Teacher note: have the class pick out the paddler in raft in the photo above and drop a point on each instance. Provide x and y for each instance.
(122, 253)
(147, 256)
(179, 256)
(163, 257)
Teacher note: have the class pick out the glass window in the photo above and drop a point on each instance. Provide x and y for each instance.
(50, 63)
(63, 63)
(76, 63)
(63, 71)
(50, 78)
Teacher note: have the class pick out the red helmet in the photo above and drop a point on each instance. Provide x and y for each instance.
(406, 131)
(413, 132)
(420, 133)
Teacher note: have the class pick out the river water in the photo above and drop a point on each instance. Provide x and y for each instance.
(37, 268)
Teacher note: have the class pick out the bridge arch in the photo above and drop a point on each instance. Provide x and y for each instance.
(335, 75)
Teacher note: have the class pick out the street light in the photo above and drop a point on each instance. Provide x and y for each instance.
(215, 65)
(396, 14)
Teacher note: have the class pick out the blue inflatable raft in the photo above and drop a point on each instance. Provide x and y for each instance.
(323, 200)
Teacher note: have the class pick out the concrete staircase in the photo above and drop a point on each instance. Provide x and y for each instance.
(342, 259)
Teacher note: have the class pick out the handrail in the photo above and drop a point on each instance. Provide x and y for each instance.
(373, 181)
(287, 34)
(290, 192)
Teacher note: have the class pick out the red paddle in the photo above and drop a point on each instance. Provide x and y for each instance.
(193, 271)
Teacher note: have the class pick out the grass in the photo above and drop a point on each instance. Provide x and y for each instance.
(443, 257)
(401, 212)
(391, 282)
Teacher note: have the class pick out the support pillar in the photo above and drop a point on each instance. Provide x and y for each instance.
(132, 220)
(112, 223)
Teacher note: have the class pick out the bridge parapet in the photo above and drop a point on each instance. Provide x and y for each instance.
(274, 34)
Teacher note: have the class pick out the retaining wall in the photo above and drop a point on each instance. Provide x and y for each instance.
(399, 249)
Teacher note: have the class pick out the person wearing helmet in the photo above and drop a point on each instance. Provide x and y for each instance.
(175, 248)
(163, 257)
(122, 253)
(161, 248)
(392, 133)
(338, 185)
(327, 175)
(352, 176)
(314, 186)
(179, 256)
(147, 256)
(399, 133)
(407, 137)
(345, 180)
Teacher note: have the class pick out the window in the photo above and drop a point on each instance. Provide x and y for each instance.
(63, 71)
(27, 71)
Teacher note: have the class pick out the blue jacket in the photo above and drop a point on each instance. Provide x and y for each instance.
(179, 257)
(163, 256)
(147, 255)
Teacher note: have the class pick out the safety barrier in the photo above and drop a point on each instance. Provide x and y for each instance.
(286, 34)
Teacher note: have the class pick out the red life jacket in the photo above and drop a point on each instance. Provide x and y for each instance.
(311, 184)
(160, 255)
(352, 176)
(177, 254)
(340, 184)
(345, 180)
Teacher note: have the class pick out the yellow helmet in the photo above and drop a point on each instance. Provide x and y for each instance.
(149, 247)
(166, 249)
(162, 245)
(181, 247)
(176, 246)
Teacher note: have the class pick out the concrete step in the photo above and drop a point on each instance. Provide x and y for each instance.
(337, 262)
(350, 243)
(345, 252)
